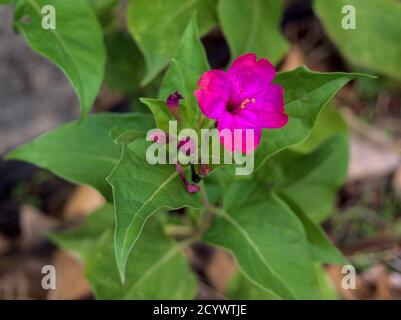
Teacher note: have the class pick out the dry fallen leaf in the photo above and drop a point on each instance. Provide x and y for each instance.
(394, 281)
(71, 283)
(383, 287)
(377, 277)
(368, 159)
(33, 224)
(83, 201)
(372, 152)
(294, 59)
(361, 290)
(20, 276)
(4, 244)
(220, 270)
(14, 285)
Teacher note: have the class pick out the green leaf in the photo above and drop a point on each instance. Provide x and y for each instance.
(375, 43)
(157, 269)
(240, 288)
(160, 112)
(122, 135)
(253, 26)
(187, 67)
(139, 190)
(267, 239)
(125, 65)
(75, 46)
(321, 247)
(311, 180)
(328, 123)
(6, 1)
(305, 94)
(190, 53)
(158, 28)
(83, 153)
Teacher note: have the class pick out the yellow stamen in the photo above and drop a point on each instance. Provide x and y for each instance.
(244, 103)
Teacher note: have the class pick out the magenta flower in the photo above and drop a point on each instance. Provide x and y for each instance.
(242, 98)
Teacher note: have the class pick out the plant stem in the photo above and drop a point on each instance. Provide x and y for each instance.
(205, 219)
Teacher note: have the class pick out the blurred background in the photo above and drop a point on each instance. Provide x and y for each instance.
(36, 97)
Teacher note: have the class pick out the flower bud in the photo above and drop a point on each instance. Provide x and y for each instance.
(204, 170)
(173, 103)
(191, 188)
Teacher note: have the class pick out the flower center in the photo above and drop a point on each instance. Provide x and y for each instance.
(232, 107)
(244, 103)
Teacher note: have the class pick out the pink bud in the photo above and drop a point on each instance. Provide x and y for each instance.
(191, 188)
(173, 102)
(204, 170)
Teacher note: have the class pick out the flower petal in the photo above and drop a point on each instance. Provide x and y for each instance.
(266, 110)
(213, 93)
(249, 76)
(273, 97)
(237, 134)
(265, 120)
